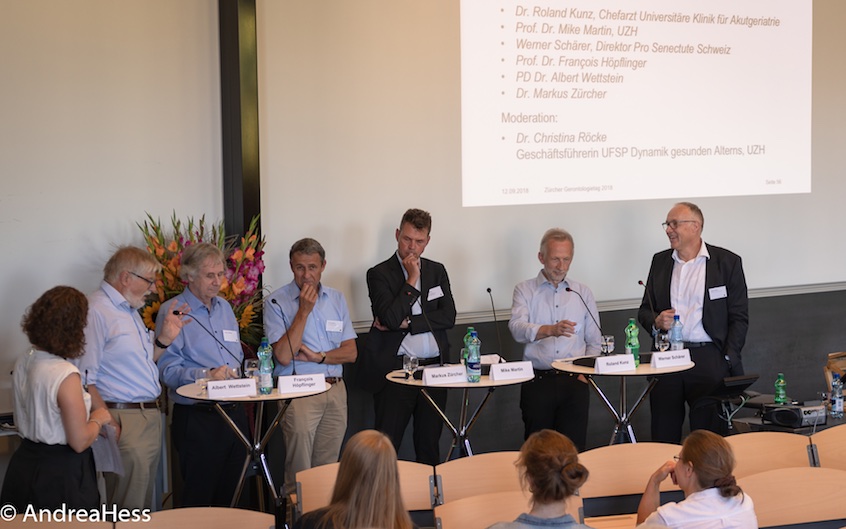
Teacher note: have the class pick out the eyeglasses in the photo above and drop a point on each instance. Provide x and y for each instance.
(675, 223)
(676, 458)
(150, 282)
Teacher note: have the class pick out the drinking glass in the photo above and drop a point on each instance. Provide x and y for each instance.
(202, 380)
(409, 365)
(607, 344)
(251, 369)
(662, 341)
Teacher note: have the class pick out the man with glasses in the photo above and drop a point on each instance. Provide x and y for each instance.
(706, 287)
(119, 369)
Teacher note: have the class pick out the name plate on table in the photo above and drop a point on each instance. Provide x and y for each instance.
(671, 358)
(434, 376)
(511, 371)
(302, 383)
(238, 387)
(614, 364)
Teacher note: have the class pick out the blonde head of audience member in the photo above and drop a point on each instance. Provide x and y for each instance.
(367, 489)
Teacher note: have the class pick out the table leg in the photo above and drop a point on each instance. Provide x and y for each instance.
(461, 433)
(255, 451)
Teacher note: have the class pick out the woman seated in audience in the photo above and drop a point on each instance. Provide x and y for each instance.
(550, 469)
(367, 489)
(54, 464)
(703, 471)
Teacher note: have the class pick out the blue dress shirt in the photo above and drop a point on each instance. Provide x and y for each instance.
(118, 355)
(327, 326)
(538, 302)
(194, 348)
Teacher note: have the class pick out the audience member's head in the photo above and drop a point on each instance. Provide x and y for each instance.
(711, 460)
(367, 490)
(549, 466)
(55, 323)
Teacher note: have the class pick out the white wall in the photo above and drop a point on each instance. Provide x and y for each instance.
(108, 110)
(360, 119)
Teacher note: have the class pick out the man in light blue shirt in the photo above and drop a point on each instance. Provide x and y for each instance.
(119, 369)
(309, 326)
(211, 457)
(556, 318)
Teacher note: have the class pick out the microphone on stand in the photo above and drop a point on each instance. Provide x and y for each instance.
(649, 300)
(239, 361)
(429, 325)
(285, 325)
(496, 326)
(568, 289)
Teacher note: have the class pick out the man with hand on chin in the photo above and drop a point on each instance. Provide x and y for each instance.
(548, 316)
(705, 285)
(310, 329)
(412, 309)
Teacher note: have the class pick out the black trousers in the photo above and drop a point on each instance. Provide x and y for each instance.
(46, 476)
(556, 401)
(211, 456)
(671, 393)
(396, 404)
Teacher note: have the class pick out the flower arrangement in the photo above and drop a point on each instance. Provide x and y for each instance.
(244, 266)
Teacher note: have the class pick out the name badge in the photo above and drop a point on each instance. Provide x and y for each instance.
(670, 358)
(436, 376)
(511, 371)
(717, 292)
(238, 387)
(435, 293)
(230, 336)
(302, 383)
(334, 326)
(614, 364)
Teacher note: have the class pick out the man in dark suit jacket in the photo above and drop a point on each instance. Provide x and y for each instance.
(412, 309)
(706, 286)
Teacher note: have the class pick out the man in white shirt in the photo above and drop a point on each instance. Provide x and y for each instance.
(706, 287)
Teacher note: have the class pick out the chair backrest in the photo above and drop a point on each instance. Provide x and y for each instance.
(314, 487)
(796, 495)
(478, 474)
(486, 509)
(416, 485)
(619, 474)
(205, 517)
(831, 447)
(757, 452)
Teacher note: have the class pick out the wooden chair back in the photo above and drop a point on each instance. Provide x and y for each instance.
(831, 447)
(797, 495)
(757, 452)
(478, 474)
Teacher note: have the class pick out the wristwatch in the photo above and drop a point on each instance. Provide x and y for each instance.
(323, 357)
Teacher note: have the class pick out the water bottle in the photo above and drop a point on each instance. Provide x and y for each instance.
(836, 397)
(780, 390)
(676, 334)
(265, 378)
(474, 358)
(466, 345)
(632, 341)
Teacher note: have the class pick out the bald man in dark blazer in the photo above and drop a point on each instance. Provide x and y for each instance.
(706, 285)
(412, 308)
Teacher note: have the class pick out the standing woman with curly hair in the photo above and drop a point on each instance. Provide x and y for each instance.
(54, 464)
(549, 467)
(703, 471)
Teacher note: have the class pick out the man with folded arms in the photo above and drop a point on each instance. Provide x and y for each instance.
(412, 309)
(310, 329)
(211, 456)
(706, 287)
(119, 368)
(556, 318)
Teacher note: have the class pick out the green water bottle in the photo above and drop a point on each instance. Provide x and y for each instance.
(780, 390)
(632, 341)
